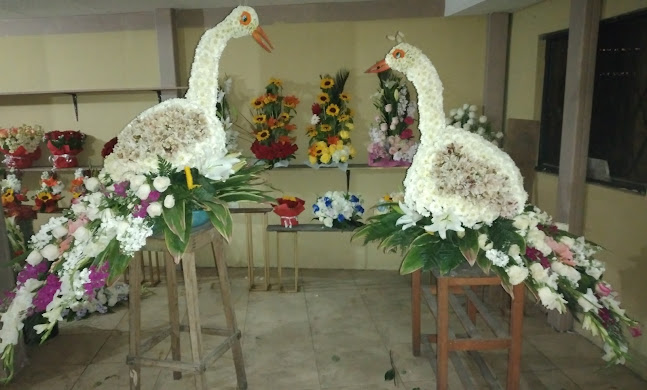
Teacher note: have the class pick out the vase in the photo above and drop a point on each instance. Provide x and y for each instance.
(200, 217)
(20, 158)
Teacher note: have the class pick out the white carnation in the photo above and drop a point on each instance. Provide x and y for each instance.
(154, 209)
(551, 300)
(50, 252)
(169, 201)
(516, 274)
(143, 191)
(34, 258)
(91, 183)
(161, 183)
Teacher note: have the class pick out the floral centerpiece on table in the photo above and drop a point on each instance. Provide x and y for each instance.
(20, 145)
(392, 140)
(50, 192)
(224, 112)
(331, 124)
(288, 208)
(338, 209)
(64, 146)
(464, 204)
(466, 117)
(274, 142)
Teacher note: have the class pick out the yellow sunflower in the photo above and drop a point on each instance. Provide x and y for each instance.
(260, 118)
(284, 116)
(327, 82)
(323, 98)
(343, 118)
(258, 103)
(269, 98)
(332, 110)
(344, 96)
(44, 196)
(277, 125)
(8, 196)
(263, 135)
(311, 131)
(276, 82)
(325, 127)
(351, 113)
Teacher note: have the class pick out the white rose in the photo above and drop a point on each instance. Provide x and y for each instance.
(122, 226)
(137, 181)
(388, 108)
(169, 201)
(79, 208)
(473, 108)
(59, 231)
(91, 183)
(143, 191)
(482, 119)
(551, 300)
(154, 209)
(538, 273)
(517, 274)
(514, 250)
(483, 242)
(82, 234)
(34, 258)
(161, 183)
(50, 252)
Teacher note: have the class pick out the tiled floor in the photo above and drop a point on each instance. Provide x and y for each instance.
(336, 334)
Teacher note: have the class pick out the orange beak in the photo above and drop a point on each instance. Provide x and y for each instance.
(379, 66)
(261, 38)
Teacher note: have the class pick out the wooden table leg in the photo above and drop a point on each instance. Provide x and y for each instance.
(442, 329)
(173, 311)
(471, 308)
(266, 251)
(278, 261)
(134, 319)
(415, 312)
(230, 316)
(193, 311)
(250, 253)
(516, 331)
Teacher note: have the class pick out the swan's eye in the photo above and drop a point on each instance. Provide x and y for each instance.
(399, 53)
(245, 18)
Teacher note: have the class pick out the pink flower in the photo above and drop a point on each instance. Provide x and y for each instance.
(73, 225)
(408, 120)
(406, 133)
(561, 250)
(635, 331)
(65, 244)
(603, 289)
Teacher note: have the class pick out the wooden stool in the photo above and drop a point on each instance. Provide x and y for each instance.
(200, 237)
(462, 281)
(248, 212)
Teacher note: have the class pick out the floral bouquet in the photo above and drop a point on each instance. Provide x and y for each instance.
(20, 145)
(225, 114)
(288, 208)
(392, 141)
(64, 146)
(12, 197)
(338, 209)
(331, 123)
(272, 128)
(46, 200)
(108, 147)
(466, 118)
(77, 186)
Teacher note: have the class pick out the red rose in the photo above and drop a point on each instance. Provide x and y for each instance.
(108, 147)
(406, 134)
(316, 109)
(408, 120)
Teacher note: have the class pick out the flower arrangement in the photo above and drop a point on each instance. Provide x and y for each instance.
(331, 124)
(288, 208)
(392, 141)
(13, 195)
(467, 118)
(108, 147)
(77, 186)
(274, 143)
(64, 146)
(20, 145)
(338, 209)
(464, 202)
(225, 114)
(384, 204)
(46, 200)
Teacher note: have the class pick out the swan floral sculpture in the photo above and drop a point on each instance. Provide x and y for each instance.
(464, 201)
(169, 161)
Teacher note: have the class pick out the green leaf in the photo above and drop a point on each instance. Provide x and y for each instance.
(483, 262)
(118, 264)
(176, 245)
(503, 235)
(419, 254)
(220, 218)
(175, 218)
(389, 375)
(447, 256)
(469, 245)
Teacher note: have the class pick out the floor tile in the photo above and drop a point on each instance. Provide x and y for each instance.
(114, 376)
(37, 377)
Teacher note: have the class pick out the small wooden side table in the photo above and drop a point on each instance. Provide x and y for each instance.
(201, 236)
(249, 211)
(439, 297)
(308, 227)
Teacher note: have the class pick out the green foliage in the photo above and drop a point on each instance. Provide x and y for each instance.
(174, 218)
(469, 245)
(504, 235)
(220, 218)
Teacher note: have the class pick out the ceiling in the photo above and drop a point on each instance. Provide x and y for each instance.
(481, 7)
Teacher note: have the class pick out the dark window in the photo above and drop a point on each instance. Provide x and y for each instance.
(619, 117)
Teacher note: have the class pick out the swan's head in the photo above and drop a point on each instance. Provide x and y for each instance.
(243, 21)
(403, 57)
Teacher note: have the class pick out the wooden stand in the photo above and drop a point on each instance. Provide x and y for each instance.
(462, 281)
(200, 237)
(250, 246)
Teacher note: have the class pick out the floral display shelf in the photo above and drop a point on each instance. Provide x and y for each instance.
(306, 227)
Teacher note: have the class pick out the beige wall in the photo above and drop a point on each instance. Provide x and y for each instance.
(614, 218)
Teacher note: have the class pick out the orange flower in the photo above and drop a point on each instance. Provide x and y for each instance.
(290, 101)
(271, 123)
(50, 182)
(290, 127)
(284, 139)
(333, 139)
(258, 103)
(77, 182)
(269, 98)
(278, 125)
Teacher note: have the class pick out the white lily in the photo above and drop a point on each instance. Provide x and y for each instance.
(443, 222)
(409, 219)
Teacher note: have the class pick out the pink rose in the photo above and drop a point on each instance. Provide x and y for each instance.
(635, 331)
(65, 245)
(603, 289)
(73, 225)
(561, 250)
(408, 120)
(406, 133)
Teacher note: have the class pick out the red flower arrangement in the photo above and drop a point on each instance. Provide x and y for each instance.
(288, 208)
(46, 200)
(20, 145)
(108, 147)
(64, 146)
(272, 127)
(12, 197)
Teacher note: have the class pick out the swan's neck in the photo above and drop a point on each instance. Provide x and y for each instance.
(203, 82)
(429, 89)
